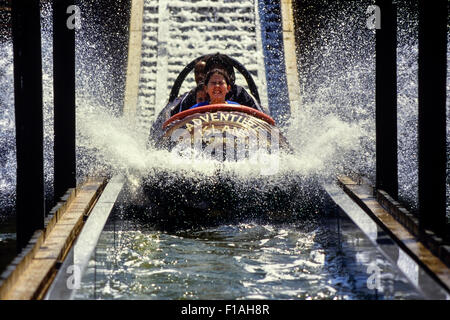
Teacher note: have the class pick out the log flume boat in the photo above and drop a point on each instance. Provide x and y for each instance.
(222, 132)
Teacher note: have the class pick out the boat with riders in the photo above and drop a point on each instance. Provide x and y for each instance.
(217, 120)
(229, 124)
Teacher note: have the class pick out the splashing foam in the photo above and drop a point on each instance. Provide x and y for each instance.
(321, 145)
(7, 130)
(325, 144)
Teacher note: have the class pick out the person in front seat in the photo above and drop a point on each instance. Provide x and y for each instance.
(218, 84)
(236, 93)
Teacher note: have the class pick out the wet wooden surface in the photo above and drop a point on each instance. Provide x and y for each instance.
(31, 273)
(364, 196)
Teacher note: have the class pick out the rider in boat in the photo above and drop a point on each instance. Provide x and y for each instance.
(236, 93)
(218, 84)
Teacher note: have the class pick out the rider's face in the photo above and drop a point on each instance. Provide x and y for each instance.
(217, 88)
(201, 96)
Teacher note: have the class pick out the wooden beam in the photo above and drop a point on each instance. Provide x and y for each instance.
(290, 56)
(432, 114)
(31, 273)
(30, 200)
(364, 196)
(386, 99)
(134, 59)
(64, 98)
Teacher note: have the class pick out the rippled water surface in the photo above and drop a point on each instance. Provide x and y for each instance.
(313, 260)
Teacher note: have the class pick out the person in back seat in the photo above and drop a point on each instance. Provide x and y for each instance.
(190, 98)
(200, 93)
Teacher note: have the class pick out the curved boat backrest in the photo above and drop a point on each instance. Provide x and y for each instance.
(183, 74)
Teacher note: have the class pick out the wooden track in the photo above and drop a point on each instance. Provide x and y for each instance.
(32, 271)
(378, 207)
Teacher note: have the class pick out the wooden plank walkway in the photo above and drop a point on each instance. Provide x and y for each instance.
(364, 196)
(31, 273)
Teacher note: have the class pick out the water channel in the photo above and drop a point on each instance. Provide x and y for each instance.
(318, 252)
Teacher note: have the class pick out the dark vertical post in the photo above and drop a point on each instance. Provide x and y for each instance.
(432, 113)
(30, 197)
(386, 99)
(64, 97)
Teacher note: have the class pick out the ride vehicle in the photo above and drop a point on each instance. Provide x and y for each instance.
(220, 131)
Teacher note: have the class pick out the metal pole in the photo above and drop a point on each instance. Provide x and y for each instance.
(386, 100)
(30, 195)
(64, 96)
(432, 114)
